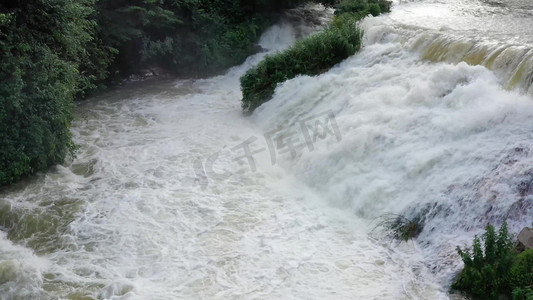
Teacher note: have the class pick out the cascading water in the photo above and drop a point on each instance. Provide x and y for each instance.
(431, 121)
(494, 34)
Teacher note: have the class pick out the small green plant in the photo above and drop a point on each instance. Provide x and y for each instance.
(55, 51)
(399, 227)
(521, 276)
(494, 267)
(523, 293)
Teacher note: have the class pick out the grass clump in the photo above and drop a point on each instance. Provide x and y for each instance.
(494, 267)
(42, 43)
(399, 227)
(521, 276)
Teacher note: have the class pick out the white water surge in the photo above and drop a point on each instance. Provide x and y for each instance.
(134, 217)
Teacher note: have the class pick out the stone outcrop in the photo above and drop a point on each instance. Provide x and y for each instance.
(525, 239)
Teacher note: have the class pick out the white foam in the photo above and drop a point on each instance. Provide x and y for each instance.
(442, 139)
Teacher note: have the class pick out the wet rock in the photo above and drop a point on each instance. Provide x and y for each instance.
(525, 239)
(154, 71)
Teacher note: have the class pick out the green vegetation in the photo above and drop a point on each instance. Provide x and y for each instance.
(495, 267)
(362, 8)
(310, 56)
(399, 227)
(523, 294)
(54, 51)
(40, 75)
(196, 37)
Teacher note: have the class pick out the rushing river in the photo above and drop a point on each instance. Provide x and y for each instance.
(433, 119)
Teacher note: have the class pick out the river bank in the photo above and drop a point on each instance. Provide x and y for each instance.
(162, 202)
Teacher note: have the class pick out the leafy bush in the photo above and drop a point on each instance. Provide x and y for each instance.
(521, 277)
(523, 293)
(42, 43)
(363, 8)
(495, 268)
(313, 55)
(53, 51)
(374, 9)
(310, 56)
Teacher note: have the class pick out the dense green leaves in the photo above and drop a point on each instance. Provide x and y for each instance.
(313, 55)
(362, 8)
(521, 276)
(53, 51)
(496, 268)
(195, 37)
(42, 43)
(310, 56)
(523, 293)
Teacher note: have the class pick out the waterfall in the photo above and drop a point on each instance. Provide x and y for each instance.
(432, 119)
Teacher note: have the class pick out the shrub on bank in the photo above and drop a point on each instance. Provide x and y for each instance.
(495, 268)
(41, 45)
(310, 56)
(193, 37)
(53, 51)
(362, 8)
(521, 276)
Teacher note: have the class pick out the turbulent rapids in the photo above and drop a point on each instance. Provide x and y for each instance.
(161, 202)
(493, 34)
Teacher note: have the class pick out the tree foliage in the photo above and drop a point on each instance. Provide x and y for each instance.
(310, 56)
(187, 37)
(363, 8)
(493, 267)
(42, 45)
(53, 51)
(313, 55)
